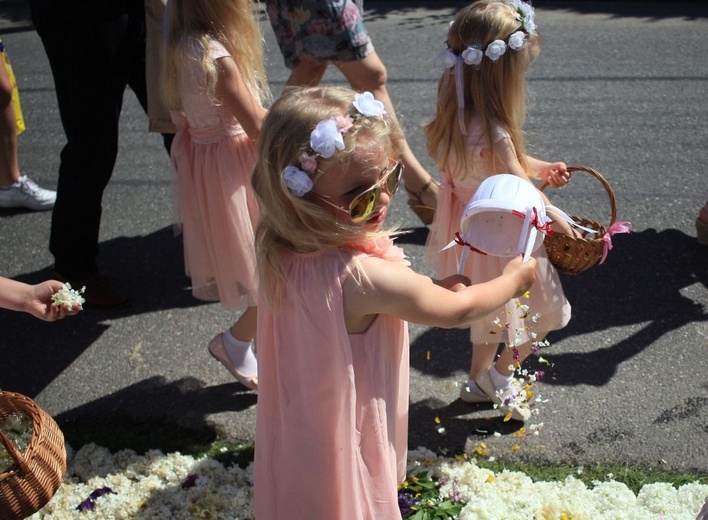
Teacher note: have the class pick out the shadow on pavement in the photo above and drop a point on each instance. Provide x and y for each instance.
(639, 284)
(653, 10)
(153, 414)
(149, 267)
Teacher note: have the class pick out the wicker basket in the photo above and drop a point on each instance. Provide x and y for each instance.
(37, 473)
(573, 255)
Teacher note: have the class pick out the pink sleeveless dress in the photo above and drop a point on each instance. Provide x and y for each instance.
(332, 417)
(548, 308)
(213, 160)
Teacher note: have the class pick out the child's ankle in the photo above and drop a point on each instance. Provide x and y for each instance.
(501, 381)
(241, 354)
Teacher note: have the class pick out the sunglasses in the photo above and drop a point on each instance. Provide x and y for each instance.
(364, 204)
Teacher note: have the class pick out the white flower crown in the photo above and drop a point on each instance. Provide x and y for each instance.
(474, 53)
(325, 140)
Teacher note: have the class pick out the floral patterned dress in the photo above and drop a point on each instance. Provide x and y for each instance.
(332, 419)
(319, 31)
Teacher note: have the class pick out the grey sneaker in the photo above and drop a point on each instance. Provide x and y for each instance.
(25, 193)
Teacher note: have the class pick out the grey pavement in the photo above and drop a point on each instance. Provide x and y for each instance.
(620, 87)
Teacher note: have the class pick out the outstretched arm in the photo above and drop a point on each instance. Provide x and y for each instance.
(392, 288)
(34, 299)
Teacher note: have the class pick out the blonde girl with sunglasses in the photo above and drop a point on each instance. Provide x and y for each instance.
(477, 133)
(335, 294)
(214, 82)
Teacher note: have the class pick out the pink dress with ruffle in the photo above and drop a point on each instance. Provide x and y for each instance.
(213, 160)
(332, 418)
(548, 308)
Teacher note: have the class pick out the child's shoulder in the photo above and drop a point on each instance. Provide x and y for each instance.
(476, 132)
(382, 247)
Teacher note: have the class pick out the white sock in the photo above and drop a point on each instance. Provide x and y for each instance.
(500, 381)
(241, 354)
(473, 388)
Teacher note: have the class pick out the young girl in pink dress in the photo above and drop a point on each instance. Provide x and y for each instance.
(476, 133)
(334, 298)
(213, 80)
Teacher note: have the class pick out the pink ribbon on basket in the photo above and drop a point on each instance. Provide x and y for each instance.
(617, 227)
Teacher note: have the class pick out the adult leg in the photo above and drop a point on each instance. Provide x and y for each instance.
(306, 74)
(9, 166)
(369, 74)
(90, 80)
(16, 190)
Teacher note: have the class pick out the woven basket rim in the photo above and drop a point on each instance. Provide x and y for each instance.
(603, 181)
(587, 251)
(38, 471)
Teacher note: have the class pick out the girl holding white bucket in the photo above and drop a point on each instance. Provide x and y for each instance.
(477, 133)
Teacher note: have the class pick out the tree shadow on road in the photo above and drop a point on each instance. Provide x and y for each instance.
(690, 10)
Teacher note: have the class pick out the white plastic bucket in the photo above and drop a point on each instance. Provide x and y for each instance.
(503, 217)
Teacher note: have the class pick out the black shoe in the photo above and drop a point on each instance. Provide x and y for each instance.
(100, 292)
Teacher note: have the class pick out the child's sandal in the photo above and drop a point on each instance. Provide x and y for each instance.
(415, 201)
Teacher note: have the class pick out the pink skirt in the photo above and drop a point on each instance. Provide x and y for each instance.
(216, 206)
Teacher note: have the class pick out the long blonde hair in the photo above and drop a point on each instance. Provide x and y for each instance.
(494, 91)
(191, 25)
(291, 223)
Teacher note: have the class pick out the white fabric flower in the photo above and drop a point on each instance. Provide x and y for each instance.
(527, 14)
(297, 180)
(445, 59)
(326, 138)
(517, 40)
(495, 50)
(472, 56)
(367, 105)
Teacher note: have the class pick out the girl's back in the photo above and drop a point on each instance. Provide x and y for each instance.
(336, 404)
(198, 105)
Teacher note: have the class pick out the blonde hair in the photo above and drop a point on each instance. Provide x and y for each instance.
(191, 25)
(494, 91)
(291, 223)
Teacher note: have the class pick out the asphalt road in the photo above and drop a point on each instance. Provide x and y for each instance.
(620, 87)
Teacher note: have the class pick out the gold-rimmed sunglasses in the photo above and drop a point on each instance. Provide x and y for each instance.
(364, 204)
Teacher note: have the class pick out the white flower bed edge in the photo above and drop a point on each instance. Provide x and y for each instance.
(175, 486)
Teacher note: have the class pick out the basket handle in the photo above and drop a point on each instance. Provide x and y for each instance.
(14, 452)
(608, 188)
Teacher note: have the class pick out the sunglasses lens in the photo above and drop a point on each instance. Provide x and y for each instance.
(363, 205)
(394, 179)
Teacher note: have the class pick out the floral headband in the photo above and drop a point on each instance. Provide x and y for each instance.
(325, 140)
(474, 53)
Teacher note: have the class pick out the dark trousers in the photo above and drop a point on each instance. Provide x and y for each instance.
(96, 48)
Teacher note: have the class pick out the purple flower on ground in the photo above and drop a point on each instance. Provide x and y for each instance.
(405, 503)
(190, 481)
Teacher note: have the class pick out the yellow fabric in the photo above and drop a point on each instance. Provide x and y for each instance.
(20, 121)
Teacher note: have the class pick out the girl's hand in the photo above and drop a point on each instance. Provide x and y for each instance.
(523, 274)
(38, 302)
(556, 174)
